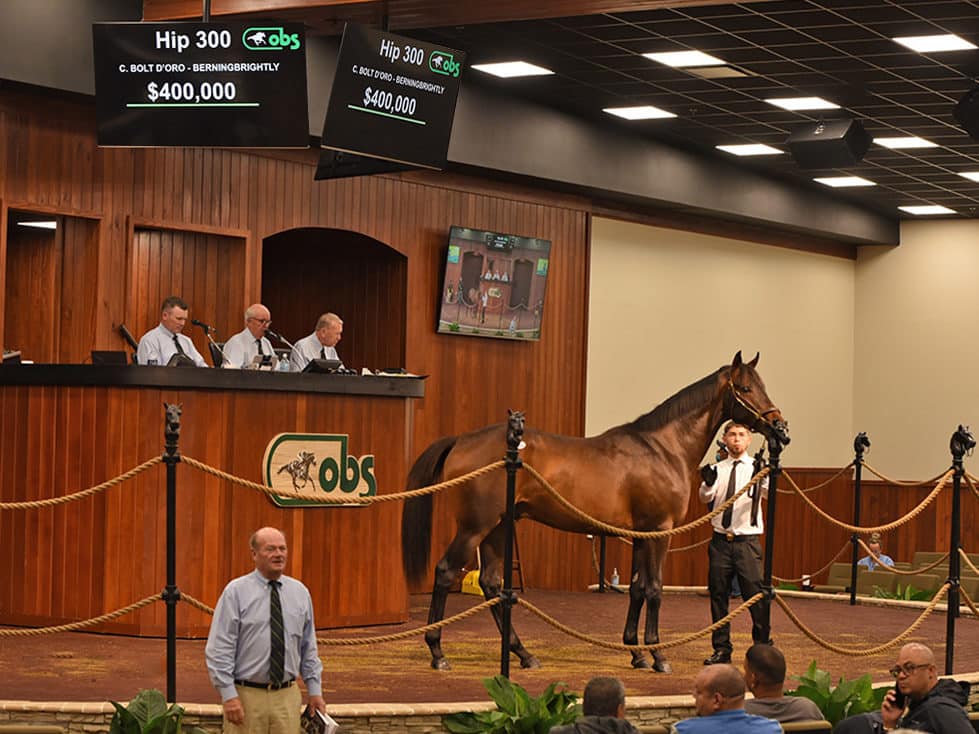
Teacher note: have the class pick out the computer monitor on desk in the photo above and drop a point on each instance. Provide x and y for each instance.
(101, 357)
(322, 366)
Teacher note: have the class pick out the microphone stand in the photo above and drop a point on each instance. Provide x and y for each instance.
(207, 332)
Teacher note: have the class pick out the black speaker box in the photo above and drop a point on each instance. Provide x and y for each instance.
(829, 144)
(966, 112)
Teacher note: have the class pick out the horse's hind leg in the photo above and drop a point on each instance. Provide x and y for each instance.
(654, 554)
(459, 553)
(637, 597)
(491, 581)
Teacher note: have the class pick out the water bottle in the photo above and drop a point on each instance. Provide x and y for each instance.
(284, 365)
(615, 577)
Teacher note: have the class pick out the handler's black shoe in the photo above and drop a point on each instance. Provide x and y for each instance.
(718, 657)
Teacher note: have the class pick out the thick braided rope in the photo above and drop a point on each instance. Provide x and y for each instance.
(814, 573)
(431, 489)
(197, 604)
(900, 482)
(971, 481)
(635, 648)
(813, 488)
(881, 566)
(867, 651)
(971, 604)
(699, 543)
(877, 528)
(968, 562)
(645, 534)
(83, 623)
(125, 476)
(342, 641)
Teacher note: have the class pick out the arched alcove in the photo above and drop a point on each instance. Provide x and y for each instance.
(311, 270)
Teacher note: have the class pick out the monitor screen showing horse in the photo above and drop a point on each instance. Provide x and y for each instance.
(494, 285)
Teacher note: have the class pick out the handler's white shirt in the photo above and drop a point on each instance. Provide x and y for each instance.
(741, 519)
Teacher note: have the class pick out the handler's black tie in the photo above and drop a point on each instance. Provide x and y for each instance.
(176, 343)
(732, 488)
(277, 655)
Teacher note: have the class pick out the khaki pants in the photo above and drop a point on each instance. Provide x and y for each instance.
(268, 712)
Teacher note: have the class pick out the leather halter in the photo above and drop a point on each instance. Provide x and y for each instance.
(751, 409)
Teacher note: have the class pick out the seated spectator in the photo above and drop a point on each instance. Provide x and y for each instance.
(718, 694)
(764, 673)
(933, 705)
(868, 561)
(603, 708)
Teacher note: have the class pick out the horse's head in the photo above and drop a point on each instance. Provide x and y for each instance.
(746, 401)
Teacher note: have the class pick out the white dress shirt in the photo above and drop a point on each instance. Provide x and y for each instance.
(309, 348)
(241, 349)
(158, 344)
(715, 493)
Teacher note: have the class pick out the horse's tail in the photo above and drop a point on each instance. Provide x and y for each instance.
(416, 518)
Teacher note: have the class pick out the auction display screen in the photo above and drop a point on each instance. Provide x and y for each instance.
(201, 84)
(393, 97)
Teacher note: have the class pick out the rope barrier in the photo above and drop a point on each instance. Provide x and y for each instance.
(36, 631)
(899, 482)
(877, 528)
(881, 566)
(431, 489)
(971, 481)
(196, 603)
(643, 534)
(51, 501)
(964, 556)
(868, 651)
(699, 543)
(821, 484)
(814, 573)
(342, 641)
(968, 601)
(635, 648)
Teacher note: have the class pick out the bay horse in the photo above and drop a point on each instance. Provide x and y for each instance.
(638, 476)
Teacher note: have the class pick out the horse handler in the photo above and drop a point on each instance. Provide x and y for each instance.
(261, 637)
(735, 547)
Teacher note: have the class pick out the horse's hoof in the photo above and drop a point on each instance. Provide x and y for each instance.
(662, 666)
(532, 663)
(641, 662)
(441, 664)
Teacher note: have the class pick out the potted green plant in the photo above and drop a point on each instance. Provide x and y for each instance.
(517, 712)
(847, 698)
(148, 713)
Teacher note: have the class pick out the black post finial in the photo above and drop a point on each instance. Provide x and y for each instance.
(171, 429)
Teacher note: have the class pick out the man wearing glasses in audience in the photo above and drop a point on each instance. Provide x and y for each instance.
(241, 349)
(920, 700)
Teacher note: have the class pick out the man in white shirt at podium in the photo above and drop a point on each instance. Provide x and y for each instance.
(242, 349)
(321, 344)
(158, 346)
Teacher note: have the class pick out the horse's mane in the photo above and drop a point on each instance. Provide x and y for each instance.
(689, 398)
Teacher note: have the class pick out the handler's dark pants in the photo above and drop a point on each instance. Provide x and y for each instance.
(741, 558)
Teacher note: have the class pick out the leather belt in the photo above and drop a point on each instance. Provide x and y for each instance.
(732, 538)
(266, 686)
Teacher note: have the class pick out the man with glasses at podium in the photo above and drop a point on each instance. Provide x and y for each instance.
(165, 344)
(243, 348)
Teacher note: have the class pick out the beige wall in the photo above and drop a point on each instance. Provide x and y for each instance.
(916, 349)
(668, 307)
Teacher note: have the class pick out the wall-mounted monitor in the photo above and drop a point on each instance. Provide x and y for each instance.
(201, 84)
(494, 285)
(393, 98)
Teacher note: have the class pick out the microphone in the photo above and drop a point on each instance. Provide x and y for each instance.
(206, 327)
(128, 337)
(278, 337)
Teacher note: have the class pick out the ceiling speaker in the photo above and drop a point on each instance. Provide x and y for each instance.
(829, 144)
(966, 112)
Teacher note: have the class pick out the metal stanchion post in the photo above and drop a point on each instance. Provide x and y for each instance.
(171, 594)
(860, 444)
(962, 441)
(774, 470)
(514, 437)
(602, 551)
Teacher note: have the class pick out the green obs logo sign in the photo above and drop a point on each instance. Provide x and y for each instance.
(269, 38)
(314, 464)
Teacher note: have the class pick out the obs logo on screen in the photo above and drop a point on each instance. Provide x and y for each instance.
(316, 464)
(442, 62)
(271, 38)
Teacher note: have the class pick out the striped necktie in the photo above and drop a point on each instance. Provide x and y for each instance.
(277, 655)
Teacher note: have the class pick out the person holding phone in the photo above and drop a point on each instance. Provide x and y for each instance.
(920, 699)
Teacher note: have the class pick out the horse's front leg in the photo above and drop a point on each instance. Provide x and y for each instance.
(630, 635)
(654, 597)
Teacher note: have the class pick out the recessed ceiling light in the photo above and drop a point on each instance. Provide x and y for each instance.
(644, 112)
(685, 58)
(925, 210)
(40, 224)
(844, 181)
(718, 72)
(749, 149)
(971, 175)
(906, 142)
(803, 103)
(933, 44)
(509, 69)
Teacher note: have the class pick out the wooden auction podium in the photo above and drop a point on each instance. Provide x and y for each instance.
(68, 427)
